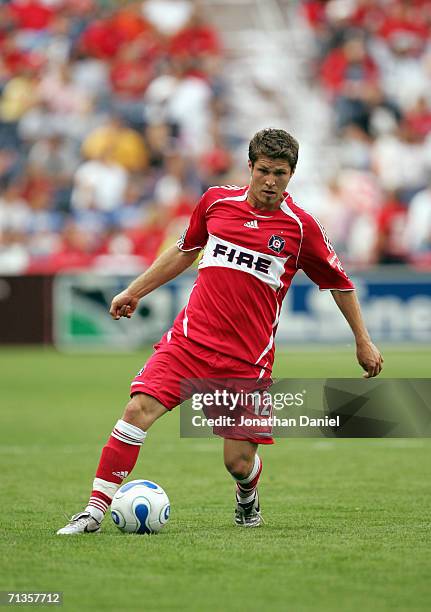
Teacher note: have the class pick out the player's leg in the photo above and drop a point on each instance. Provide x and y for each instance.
(117, 460)
(245, 466)
(121, 451)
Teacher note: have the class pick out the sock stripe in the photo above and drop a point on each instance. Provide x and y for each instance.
(246, 500)
(257, 468)
(125, 435)
(96, 504)
(97, 499)
(124, 438)
(245, 489)
(95, 494)
(130, 431)
(104, 488)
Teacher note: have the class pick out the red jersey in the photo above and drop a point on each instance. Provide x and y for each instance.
(248, 264)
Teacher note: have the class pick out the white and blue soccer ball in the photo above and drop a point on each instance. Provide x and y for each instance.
(140, 506)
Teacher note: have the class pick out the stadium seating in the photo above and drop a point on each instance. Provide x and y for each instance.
(113, 121)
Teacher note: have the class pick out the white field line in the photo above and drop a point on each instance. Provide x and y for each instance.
(321, 444)
(35, 449)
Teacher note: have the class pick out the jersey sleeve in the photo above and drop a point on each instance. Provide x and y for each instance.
(196, 234)
(319, 260)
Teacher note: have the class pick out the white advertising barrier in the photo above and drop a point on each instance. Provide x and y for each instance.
(82, 321)
(396, 304)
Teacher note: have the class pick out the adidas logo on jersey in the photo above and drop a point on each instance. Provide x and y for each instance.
(120, 474)
(252, 224)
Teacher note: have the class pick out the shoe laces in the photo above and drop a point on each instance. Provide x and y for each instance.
(250, 514)
(81, 518)
(250, 508)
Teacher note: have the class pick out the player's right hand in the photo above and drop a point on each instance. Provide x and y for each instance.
(123, 305)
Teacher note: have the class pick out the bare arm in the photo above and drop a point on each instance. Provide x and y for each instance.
(166, 267)
(367, 353)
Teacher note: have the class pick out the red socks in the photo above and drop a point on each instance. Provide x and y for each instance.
(118, 459)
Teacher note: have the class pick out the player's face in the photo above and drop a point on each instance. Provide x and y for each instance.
(269, 179)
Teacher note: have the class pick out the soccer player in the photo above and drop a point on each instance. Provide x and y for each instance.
(255, 238)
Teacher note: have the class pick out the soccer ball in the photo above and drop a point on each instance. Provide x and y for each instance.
(140, 506)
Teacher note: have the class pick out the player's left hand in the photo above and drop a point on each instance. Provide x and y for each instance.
(370, 358)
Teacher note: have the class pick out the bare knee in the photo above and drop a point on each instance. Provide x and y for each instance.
(239, 457)
(142, 410)
(239, 465)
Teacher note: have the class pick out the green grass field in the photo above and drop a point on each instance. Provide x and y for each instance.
(348, 521)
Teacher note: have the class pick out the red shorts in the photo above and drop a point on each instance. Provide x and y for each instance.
(180, 360)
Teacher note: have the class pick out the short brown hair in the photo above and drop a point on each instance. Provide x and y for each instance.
(275, 144)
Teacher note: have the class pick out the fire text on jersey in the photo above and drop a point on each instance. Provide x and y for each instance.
(260, 264)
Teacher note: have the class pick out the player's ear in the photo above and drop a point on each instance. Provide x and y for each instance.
(250, 165)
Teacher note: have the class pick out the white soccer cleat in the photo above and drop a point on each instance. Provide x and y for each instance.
(248, 515)
(82, 522)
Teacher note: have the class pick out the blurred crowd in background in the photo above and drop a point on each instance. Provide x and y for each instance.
(108, 129)
(112, 123)
(373, 64)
